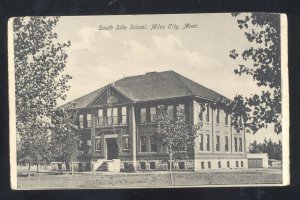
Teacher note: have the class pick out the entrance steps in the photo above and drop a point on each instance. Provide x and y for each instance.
(106, 165)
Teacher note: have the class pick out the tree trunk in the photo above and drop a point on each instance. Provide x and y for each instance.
(29, 169)
(72, 166)
(171, 168)
(37, 168)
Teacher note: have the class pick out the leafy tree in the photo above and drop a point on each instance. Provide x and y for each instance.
(177, 134)
(273, 149)
(39, 61)
(262, 62)
(33, 148)
(64, 137)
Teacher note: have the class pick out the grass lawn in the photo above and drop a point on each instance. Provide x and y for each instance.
(154, 179)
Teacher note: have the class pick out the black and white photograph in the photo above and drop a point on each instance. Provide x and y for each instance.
(148, 101)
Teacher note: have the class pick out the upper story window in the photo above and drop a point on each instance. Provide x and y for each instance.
(115, 116)
(218, 143)
(201, 142)
(143, 116)
(89, 120)
(109, 116)
(226, 143)
(124, 115)
(143, 144)
(207, 143)
(218, 116)
(152, 114)
(241, 123)
(81, 121)
(207, 113)
(240, 145)
(170, 111)
(235, 144)
(153, 144)
(100, 118)
(181, 107)
(201, 114)
(226, 119)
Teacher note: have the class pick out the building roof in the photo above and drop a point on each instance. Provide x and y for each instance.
(154, 86)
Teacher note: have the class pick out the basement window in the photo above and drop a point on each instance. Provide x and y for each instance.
(181, 165)
(209, 165)
(152, 165)
(202, 165)
(142, 165)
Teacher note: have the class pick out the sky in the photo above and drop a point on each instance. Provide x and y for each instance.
(99, 57)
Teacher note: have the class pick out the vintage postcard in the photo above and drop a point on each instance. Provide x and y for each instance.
(148, 101)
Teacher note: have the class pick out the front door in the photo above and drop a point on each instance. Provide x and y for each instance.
(112, 148)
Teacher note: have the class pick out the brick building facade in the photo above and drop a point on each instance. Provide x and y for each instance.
(117, 122)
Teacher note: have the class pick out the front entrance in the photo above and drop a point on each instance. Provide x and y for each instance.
(112, 148)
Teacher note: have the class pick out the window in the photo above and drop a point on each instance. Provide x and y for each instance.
(89, 145)
(237, 163)
(226, 144)
(97, 144)
(241, 123)
(89, 120)
(235, 144)
(201, 116)
(241, 145)
(170, 111)
(109, 116)
(152, 114)
(201, 113)
(226, 119)
(143, 116)
(242, 164)
(207, 113)
(124, 115)
(115, 116)
(143, 147)
(125, 142)
(207, 143)
(201, 142)
(209, 165)
(218, 143)
(218, 116)
(219, 164)
(181, 165)
(100, 118)
(153, 144)
(202, 165)
(125, 165)
(81, 125)
(152, 165)
(142, 165)
(228, 164)
(181, 108)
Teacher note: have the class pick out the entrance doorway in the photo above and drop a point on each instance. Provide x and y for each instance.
(112, 148)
